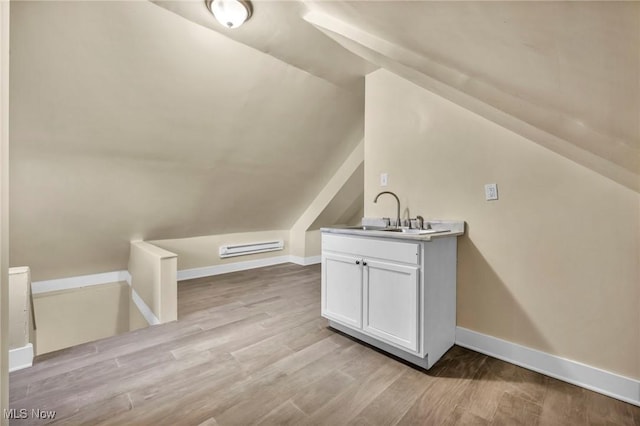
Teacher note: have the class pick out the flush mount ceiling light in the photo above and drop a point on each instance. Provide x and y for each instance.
(230, 13)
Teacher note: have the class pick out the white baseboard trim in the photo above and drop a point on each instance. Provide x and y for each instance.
(144, 309)
(127, 277)
(91, 280)
(78, 282)
(20, 358)
(616, 386)
(305, 261)
(185, 274)
(225, 268)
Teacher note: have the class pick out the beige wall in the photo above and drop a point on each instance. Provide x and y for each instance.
(4, 208)
(553, 264)
(200, 252)
(313, 237)
(153, 277)
(313, 243)
(340, 198)
(71, 317)
(20, 326)
(347, 203)
(136, 319)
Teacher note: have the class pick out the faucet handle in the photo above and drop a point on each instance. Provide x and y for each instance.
(387, 221)
(420, 222)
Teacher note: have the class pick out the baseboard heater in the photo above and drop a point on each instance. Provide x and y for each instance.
(250, 248)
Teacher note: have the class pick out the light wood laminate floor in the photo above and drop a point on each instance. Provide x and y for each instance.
(251, 348)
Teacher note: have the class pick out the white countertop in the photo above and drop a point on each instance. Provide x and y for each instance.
(442, 228)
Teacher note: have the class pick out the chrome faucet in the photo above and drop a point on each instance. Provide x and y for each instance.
(420, 223)
(375, 200)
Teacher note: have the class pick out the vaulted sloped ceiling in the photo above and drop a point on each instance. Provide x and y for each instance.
(563, 74)
(278, 29)
(128, 121)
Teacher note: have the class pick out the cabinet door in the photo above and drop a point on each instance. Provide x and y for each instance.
(342, 289)
(391, 297)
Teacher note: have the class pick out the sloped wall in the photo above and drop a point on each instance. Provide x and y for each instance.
(71, 317)
(562, 74)
(130, 122)
(552, 264)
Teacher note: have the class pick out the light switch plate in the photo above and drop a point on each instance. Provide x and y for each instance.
(491, 191)
(384, 179)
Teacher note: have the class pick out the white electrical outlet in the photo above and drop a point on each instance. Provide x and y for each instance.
(491, 191)
(384, 179)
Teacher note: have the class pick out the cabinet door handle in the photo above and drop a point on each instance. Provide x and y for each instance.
(357, 262)
(364, 263)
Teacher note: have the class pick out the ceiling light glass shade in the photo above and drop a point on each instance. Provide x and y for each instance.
(230, 13)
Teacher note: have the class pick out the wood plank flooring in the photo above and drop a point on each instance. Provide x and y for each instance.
(251, 348)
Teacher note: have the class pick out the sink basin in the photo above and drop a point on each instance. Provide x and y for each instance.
(424, 231)
(416, 231)
(402, 230)
(369, 228)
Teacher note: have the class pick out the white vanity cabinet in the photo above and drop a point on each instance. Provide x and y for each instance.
(342, 289)
(396, 294)
(390, 303)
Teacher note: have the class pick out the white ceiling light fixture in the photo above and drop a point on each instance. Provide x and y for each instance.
(230, 13)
